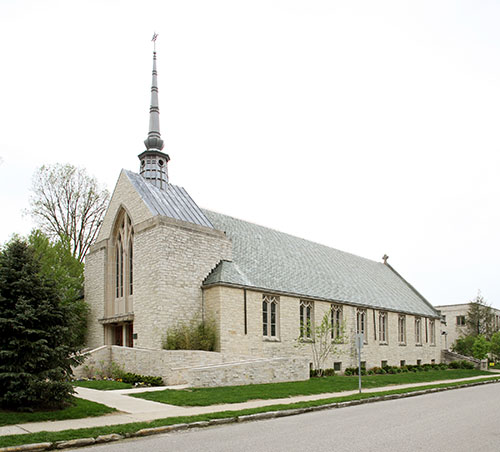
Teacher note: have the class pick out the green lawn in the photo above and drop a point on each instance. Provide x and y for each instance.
(235, 394)
(30, 438)
(79, 409)
(103, 385)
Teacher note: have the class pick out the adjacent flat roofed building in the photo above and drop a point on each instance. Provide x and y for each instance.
(454, 317)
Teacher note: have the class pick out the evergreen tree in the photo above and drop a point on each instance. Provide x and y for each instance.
(35, 355)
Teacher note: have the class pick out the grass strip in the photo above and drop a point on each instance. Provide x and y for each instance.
(102, 385)
(79, 409)
(337, 383)
(123, 429)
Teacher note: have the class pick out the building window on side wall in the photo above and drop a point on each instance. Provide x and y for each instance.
(418, 331)
(382, 327)
(432, 331)
(306, 319)
(270, 315)
(361, 323)
(119, 268)
(460, 320)
(124, 270)
(336, 321)
(130, 267)
(402, 329)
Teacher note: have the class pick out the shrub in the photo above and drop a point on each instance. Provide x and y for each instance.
(354, 371)
(192, 336)
(147, 380)
(463, 364)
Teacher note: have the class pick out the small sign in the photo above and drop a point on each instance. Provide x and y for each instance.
(360, 340)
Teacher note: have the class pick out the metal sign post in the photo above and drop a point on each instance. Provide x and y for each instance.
(359, 346)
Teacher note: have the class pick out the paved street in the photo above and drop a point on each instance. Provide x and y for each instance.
(459, 420)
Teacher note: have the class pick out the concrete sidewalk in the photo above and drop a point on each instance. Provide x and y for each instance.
(133, 409)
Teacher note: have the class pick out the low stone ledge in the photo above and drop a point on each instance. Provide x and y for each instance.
(154, 430)
(225, 420)
(198, 424)
(256, 416)
(26, 447)
(108, 438)
(74, 443)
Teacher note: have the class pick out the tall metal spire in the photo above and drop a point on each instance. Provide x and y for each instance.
(154, 141)
(153, 161)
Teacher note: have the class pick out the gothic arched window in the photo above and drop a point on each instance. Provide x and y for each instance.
(124, 270)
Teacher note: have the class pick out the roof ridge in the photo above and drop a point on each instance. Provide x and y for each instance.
(291, 235)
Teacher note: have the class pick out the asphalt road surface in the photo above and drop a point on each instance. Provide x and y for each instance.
(459, 420)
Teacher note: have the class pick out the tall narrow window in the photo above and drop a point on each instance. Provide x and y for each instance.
(273, 319)
(361, 323)
(117, 271)
(382, 327)
(265, 322)
(130, 266)
(270, 316)
(432, 331)
(402, 329)
(119, 268)
(305, 314)
(124, 258)
(418, 331)
(336, 321)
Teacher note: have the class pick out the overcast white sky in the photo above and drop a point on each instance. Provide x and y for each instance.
(369, 126)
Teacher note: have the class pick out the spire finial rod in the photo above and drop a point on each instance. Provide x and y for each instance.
(155, 35)
(154, 140)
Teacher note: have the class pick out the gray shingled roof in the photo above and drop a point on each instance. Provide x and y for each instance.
(277, 262)
(173, 202)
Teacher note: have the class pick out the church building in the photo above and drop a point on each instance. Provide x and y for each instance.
(160, 260)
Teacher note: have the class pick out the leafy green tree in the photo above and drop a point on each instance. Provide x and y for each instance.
(481, 347)
(35, 358)
(324, 342)
(479, 319)
(495, 345)
(58, 263)
(463, 345)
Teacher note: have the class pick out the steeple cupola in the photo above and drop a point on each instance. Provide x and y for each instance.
(153, 161)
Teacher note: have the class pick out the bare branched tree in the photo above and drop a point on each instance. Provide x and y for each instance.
(67, 203)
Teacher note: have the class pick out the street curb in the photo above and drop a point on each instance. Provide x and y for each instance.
(230, 420)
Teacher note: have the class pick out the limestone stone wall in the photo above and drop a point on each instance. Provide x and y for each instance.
(95, 279)
(226, 304)
(124, 195)
(98, 360)
(272, 370)
(193, 367)
(453, 331)
(172, 258)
